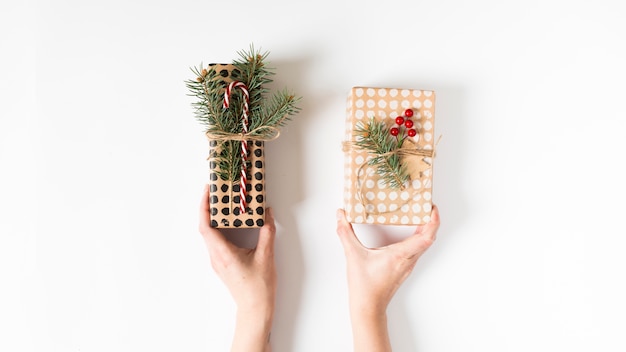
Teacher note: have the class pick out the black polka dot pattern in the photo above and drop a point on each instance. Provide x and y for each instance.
(224, 200)
(225, 73)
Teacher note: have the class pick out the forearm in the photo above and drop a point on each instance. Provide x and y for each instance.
(369, 331)
(252, 331)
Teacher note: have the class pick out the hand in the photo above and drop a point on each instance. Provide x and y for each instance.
(374, 276)
(249, 275)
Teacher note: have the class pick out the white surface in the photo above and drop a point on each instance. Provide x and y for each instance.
(102, 166)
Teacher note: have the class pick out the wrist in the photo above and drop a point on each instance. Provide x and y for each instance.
(365, 314)
(258, 314)
(367, 309)
(252, 331)
(369, 330)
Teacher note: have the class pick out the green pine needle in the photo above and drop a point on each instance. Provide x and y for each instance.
(374, 138)
(272, 112)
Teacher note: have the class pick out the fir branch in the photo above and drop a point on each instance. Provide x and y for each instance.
(374, 138)
(209, 111)
(256, 75)
(197, 90)
(228, 159)
(278, 110)
(265, 115)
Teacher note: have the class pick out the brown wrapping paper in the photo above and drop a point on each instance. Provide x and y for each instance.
(224, 195)
(366, 199)
(224, 200)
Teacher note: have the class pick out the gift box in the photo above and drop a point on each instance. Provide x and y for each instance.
(239, 115)
(225, 196)
(377, 118)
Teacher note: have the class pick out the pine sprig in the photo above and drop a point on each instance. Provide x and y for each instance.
(374, 137)
(208, 107)
(278, 110)
(265, 115)
(226, 155)
(255, 74)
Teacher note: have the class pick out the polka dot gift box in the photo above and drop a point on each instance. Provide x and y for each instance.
(226, 196)
(389, 152)
(239, 117)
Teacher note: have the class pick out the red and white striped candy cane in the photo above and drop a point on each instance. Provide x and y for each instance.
(244, 143)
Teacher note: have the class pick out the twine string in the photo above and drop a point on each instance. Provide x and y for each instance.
(362, 175)
(256, 134)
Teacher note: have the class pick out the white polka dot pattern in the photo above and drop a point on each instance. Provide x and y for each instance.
(367, 200)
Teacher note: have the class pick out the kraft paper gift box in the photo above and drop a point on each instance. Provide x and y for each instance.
(367, 199)
(225, 195)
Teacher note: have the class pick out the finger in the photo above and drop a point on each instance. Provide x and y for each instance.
(212, 236)
(205, 215)
(430, 230)
(267, 233)
(346, 232)
(423, 237)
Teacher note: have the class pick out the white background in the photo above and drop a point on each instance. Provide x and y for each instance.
(102, 166)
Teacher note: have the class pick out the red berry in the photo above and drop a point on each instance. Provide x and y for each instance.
(394, 131)
(408, 123)
(412, 132)
(399, 120)
(408, 112)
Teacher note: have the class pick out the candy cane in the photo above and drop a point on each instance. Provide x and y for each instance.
(244, 143)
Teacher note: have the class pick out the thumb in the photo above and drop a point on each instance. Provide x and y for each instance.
(346, 232)
(267, 233)
(422, 238)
